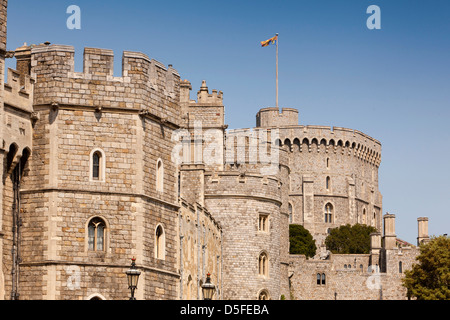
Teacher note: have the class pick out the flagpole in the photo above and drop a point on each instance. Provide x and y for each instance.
(277, 75)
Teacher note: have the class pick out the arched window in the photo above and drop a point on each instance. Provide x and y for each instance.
(328, 183)
(96, 296)
(263, 264)
(263, 295)
(328, 213)
(96, 234)
(328, 163)
(160, 243)
(159, 176)
(400, 267)
(321, 279)
(97, 165)
(364, 216)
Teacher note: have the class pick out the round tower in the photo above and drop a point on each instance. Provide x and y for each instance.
(248, 202)
(333, 173)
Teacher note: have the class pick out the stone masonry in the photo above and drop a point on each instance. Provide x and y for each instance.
(99, 169)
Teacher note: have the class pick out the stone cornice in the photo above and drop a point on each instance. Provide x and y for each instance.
(243, 196)
(127, 194)
(93, 264)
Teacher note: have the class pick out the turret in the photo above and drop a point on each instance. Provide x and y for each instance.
(204, 97)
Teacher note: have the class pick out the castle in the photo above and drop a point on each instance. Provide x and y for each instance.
(98, 169)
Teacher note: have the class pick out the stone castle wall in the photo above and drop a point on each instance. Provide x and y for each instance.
(3, 17)
(348, 277)
(200, 252)
(3, 26)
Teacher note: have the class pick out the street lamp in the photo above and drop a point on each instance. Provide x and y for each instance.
(208, 288)
(133, 277)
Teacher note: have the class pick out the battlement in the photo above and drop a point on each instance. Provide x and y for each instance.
(331, 139)
(208, 108)
(271, 117)
(145, 85)
(215, 98)
(242, 185)
(204, 97)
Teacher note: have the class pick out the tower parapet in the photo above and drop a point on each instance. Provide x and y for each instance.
(146, 85)
(208, 109)
(204, 97)
(271, 117)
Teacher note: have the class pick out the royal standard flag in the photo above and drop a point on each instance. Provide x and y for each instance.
(270, 41)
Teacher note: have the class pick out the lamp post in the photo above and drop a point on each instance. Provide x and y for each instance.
(133, 277)
(208, 288)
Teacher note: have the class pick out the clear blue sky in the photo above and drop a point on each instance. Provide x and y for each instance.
(393, 83)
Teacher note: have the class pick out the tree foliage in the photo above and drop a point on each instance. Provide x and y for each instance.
(349, 239)
(301, 241)
(429, 279)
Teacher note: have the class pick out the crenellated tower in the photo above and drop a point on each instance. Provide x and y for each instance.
(101, 144)
(333, 173)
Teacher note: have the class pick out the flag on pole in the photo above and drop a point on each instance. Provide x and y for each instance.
(272, 40)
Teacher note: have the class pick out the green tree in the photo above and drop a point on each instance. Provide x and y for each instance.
(349, 239)
(301, 241)
(430, 278)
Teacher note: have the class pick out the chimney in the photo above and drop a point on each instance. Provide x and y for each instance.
(389, 231)
(375, 247)
(423, 230)
(185, 88)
